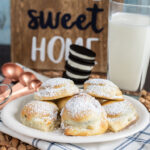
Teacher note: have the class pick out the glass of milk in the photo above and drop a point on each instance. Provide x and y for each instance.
(128, 45)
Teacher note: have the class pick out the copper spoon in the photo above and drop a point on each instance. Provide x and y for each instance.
(31, 88)
(34, 84)
(11, 71)
(24, 80)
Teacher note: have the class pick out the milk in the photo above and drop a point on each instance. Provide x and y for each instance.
(128, 50)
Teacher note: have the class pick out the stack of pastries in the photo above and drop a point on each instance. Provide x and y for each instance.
(100, 107)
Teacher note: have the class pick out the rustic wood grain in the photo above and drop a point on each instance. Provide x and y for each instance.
(21, 35)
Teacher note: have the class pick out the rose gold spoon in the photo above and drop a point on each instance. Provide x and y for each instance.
(11, 71)
(35, 84)
(31, 88)
(24, 80)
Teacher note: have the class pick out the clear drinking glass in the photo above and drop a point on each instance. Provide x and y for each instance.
(5, 93)
(128, 45)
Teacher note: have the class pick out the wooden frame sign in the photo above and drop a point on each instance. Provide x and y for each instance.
(42, 31)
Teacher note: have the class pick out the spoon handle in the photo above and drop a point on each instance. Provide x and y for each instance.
(3, 88)
(15, 88)
(22, 92)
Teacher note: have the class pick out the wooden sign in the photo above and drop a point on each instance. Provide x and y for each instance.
(42, 31)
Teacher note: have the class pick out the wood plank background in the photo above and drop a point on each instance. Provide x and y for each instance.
(22, 35)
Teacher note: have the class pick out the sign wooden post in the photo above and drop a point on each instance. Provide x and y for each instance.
(42, 31)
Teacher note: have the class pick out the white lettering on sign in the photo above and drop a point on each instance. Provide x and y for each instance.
(65, 46)
(41, 49)
(89, 42)
(50, 49)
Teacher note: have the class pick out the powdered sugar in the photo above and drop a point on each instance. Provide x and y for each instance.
(49, 89)
(81, 104)
(102, 82)
(56, 81)
(103, 91)
(117, 107)
(44, 109)
(51, 92)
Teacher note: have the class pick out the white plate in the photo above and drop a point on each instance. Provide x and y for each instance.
(10, 117)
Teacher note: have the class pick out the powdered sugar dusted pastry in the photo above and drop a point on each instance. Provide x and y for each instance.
(103, 88)
(83, 116)
(40, 115)
(101, 100)
(56, 88)
(120, 114)
(61, 102)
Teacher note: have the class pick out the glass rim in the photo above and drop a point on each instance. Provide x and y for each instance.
(131, 5)
(10, 93)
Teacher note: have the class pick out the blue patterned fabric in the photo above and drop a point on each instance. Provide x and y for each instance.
(142, 138)
(138, 141)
